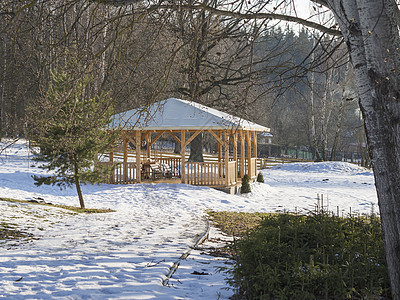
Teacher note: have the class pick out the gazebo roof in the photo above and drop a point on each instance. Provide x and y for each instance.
(177, 114)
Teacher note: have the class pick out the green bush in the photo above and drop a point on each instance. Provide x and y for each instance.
(245, 184)
(260, 177)
(317, 256)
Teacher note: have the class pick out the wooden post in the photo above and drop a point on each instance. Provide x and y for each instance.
(235, 156)
(249, 166)
(219, 154)
(125, 167)
(111, 154)
(148, 144)
(242, 154)
(255, 144)
(226, 165)
(112, 176)
(183, 153)
(138, 159)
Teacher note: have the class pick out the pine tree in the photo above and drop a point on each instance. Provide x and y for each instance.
(67, 124)
(245, 184)
(260, 177)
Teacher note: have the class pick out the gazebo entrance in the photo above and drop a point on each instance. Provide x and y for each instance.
(137, 162)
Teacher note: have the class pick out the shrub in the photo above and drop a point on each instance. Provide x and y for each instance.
(316, 256)
(245, 184)
(260, 177)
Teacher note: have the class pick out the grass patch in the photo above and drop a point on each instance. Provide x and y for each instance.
(67, 207)
(314, 256)
(235, 223)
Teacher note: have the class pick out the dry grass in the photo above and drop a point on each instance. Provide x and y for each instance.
(71, 208)
(235, 223)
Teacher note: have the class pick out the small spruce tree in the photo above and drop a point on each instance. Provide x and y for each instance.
(260, 177)
(245, 184)
(67, 124)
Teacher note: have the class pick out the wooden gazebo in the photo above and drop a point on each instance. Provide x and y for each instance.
(183, 121)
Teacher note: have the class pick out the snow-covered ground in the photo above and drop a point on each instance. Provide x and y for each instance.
(128, 253)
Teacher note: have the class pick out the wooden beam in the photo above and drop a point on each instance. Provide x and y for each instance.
(235, 156)
(219, 153)
(226, 147)
(242, 155)
(255, 143)
(148, 147)
(192, 137)
(131, 140)
(111, 159)
(249, 166)
(219, 140)
(156, 138)
(125, 166)
(183, 153)
(138, 158)
(174, 136)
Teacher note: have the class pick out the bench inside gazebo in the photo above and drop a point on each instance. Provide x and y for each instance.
(182, 120)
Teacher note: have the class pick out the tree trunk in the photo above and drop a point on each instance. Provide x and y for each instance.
(338, 129)
(78, 185)
(3, 87)
(177, 148)
(196, 149)
(342, 106)
(371, 33)
(326, 112)
(316, 155)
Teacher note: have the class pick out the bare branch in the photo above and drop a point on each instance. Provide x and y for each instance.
(238, 15)
(255, 16)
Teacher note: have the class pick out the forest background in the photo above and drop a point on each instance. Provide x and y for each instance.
(265, 71)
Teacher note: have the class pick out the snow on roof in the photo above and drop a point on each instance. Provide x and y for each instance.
(177, 114)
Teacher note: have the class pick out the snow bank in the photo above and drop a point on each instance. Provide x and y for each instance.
(325, 167)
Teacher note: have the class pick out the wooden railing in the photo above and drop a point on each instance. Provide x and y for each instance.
(204, 173)
(253, 162)
(262, 163)
(232, 172)
(265, 163)
(210, 173)
(121, 173)
(174, 163)
(253, 172)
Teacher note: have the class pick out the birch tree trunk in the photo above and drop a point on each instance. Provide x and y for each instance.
(316, 155)
(342, 107)
(3, 88)
(326, 112)
(338, 128)
(370, 30)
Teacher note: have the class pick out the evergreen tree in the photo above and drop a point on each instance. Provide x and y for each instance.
(67, 124)
(260, 177)
(245, 184)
